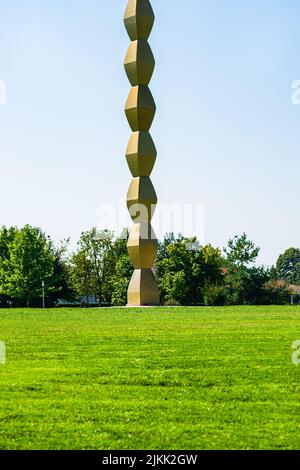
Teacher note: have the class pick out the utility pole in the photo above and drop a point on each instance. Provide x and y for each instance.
(43, 293)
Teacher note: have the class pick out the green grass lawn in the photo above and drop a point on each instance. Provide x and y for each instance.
(182, 378)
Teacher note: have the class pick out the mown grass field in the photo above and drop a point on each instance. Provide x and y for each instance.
(182, 378)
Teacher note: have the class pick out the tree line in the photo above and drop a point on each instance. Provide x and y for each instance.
(187, 273)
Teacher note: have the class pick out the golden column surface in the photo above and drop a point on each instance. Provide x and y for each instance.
(141, 154)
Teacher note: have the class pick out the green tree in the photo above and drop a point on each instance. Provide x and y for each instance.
(121, 270)
(247, 285)
(91, 265)
(6, 237)
(241, 251)
(169, 239)
(186, 269)
(278, 292)
(120, 280)
(81, 277)
(61, 283)
(288, 266)
(174, 271)
(27, 259)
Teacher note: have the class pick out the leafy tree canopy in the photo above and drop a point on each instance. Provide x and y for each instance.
(288, 266)
(241, 251)
(185, 267)
(27, 258)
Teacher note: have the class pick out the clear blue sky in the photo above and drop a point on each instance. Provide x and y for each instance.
(226, 132)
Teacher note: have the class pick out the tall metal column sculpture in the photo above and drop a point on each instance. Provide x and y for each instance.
(141, 154)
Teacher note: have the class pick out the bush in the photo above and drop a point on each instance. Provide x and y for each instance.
(214, 294)
(245, 286)
(172, 303)
(277, 292)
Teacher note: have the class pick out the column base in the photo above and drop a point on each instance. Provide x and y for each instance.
(142, 290)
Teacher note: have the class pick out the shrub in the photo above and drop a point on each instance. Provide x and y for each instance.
(278, 292)
(172, 303)
(214, 294)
